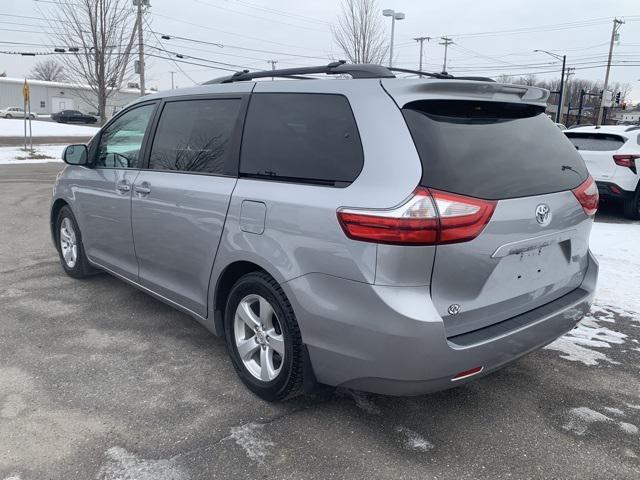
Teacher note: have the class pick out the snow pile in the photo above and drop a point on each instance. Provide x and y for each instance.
(578, 344)
(617, 295)
(15, 128)
(616, 248)
(42, 154)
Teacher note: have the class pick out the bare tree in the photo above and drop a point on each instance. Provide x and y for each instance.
(359, 32)
(48, 70)
(103, 31)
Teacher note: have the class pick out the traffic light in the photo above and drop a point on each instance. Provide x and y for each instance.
(618, 98)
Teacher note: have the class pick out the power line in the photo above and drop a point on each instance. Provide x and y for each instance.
(270, 20)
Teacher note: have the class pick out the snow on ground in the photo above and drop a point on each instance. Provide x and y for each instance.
(15, 128)
(581, 418)
(617, 296)
(42, 154)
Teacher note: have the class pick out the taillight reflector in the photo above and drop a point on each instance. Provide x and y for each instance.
(628, 161)
(587, 195)
(466, 373)
(428, 217)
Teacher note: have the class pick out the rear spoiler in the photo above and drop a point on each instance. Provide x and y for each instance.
(405, 91)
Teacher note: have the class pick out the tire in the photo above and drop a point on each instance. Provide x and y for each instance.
(631, 206)
(70, 247)
(8, 115)
(264, 370)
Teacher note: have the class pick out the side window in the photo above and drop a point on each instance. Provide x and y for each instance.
(121, 141)
(195, 135)
(301, 137)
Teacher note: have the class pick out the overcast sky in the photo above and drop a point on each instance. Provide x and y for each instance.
(297, 32)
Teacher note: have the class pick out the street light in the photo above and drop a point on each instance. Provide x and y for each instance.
(561, 94)
(387, 12)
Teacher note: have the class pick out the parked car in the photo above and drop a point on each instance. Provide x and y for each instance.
(398, 236)
(611, 153)
(16, 112)
(73, 116)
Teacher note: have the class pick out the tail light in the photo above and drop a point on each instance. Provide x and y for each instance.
(428, 217)
(628, 161)
(587, 195)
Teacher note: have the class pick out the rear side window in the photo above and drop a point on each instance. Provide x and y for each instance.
(194, 136)
(309, 138)
(492, 150)
(596, 142)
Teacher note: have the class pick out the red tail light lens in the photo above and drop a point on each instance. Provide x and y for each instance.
(628, 161)
(587, 195)
(426, 218)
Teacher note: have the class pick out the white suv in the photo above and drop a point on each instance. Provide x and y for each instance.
(15, 112)
(611, 154)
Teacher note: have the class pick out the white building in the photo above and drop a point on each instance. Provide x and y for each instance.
(51, 97)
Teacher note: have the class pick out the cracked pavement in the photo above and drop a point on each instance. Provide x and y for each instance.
(100, 381)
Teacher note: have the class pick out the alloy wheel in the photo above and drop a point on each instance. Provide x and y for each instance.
(68, 243)
(258, 337)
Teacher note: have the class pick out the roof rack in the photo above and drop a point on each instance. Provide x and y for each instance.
(341, 67)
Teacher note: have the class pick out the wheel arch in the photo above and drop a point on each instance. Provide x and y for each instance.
(225, 281)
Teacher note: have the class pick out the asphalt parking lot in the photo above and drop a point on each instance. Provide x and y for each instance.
(101, 381)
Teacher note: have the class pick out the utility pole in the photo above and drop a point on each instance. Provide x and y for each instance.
(582, 94)
(563, 93)
(446, 41)
(421, 40)
(614, 34)
(273, 65)
(172, 84)
(139, 3)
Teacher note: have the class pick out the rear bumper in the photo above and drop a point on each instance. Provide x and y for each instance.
(390, 340)
(609, 190)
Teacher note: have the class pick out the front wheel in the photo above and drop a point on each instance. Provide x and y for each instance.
(8, 115)
(631, 206)
(263, 338)
(70, 247)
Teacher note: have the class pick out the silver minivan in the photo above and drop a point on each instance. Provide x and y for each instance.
(392, 235)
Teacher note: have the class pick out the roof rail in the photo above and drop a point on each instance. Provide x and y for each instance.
(418, 72)
(340, 67)
(356, 70)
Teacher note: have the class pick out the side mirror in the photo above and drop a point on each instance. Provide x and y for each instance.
(75, 155)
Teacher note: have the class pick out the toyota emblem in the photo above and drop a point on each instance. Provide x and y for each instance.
(543, 214)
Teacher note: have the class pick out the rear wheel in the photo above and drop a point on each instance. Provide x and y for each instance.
(70, 247)
(631, 206)
(263, 338)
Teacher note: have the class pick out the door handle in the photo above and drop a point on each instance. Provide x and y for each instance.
(123, 186)
(143, 189)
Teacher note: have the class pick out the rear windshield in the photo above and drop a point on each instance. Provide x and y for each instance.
(596, 142)
(492, 150)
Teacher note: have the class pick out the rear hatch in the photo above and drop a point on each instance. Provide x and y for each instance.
(512, 154)
(597, 150)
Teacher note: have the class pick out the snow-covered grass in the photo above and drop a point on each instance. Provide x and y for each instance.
(15, 128)
(41, 154)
